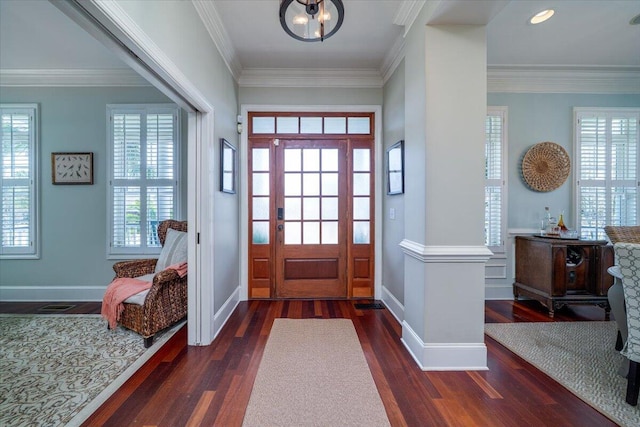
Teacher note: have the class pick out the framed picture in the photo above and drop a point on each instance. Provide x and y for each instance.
(227, 167)
(72, 168)
(395, 168)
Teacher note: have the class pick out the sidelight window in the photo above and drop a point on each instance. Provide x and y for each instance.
(361, 195)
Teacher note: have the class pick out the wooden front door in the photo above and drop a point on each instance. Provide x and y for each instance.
(311, 205)
(311, 202)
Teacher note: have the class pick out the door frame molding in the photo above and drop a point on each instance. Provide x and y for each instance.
(244, 206)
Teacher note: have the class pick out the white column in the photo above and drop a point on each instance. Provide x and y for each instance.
(444, 220)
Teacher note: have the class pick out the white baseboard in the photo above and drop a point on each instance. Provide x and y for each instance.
(498, 292)
(221, 316)
(51, 293)
(393, 305)
(444, 356)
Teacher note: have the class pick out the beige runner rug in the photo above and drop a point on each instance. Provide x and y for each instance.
(313, 373)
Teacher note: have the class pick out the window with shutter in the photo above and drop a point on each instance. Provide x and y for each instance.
(144, 141)
(18, 181)
(495, 173)
(606, 168)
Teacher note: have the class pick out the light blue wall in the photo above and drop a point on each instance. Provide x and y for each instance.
(542, 117)
(73, 217)
(534, 118)
(393, 229)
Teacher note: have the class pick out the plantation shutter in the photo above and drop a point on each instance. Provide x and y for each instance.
(494, 180)
(127, 141)
(144, 176)
(17, 181)
(160, 171)
(607, 185)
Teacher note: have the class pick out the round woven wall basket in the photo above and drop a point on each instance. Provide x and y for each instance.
(546, 166)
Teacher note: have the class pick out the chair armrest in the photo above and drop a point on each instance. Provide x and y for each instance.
(168, 294)
(134, 268)
(165, 276)
(614, 270)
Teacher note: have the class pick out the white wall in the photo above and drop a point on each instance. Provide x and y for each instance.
(445, 110)
(309, 96)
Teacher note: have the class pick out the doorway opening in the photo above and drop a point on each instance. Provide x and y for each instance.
(311, 205)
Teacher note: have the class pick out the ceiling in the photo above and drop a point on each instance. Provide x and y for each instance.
(582, 34)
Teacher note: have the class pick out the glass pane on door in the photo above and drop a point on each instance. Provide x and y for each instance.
(310, 190)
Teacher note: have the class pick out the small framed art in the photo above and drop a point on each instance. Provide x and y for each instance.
(227, 167)
(72, 168)
(395, 168)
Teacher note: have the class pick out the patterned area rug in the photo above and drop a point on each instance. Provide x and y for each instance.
(579, 355)
(57, 369)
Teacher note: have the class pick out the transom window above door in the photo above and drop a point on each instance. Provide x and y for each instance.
(311, 125)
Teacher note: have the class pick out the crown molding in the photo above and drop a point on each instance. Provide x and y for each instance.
(71, 78)
(499, 79)
(318, 77)
(407, 13)
(563, 79)
(213, 23)
(393, 58)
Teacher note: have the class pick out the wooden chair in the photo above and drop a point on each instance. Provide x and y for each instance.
(628, 255)
(166, 302)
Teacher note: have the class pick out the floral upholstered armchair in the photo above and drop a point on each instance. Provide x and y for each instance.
(618, 234)
(628, 256)
(165, 302)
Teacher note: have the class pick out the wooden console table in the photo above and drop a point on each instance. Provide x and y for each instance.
(559, 272)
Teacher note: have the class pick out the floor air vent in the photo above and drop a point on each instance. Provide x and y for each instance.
(369, 306)
(56, 307)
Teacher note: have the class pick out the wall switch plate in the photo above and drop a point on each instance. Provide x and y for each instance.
(392, 213)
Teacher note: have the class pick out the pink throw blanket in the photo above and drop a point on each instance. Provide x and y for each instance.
(180, 268)
(118, 291)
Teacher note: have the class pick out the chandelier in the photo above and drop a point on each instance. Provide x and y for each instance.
(311, 20)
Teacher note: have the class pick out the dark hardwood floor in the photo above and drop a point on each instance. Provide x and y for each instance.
(206, 386)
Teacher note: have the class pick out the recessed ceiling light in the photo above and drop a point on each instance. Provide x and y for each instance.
(635, 20)
(542, 16)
